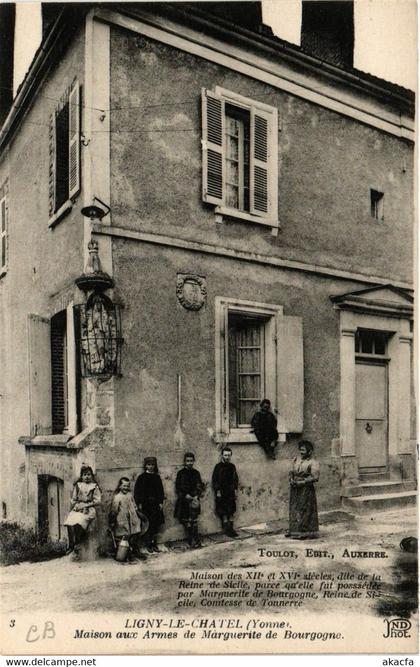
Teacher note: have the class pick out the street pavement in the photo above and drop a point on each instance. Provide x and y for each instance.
(62, 585)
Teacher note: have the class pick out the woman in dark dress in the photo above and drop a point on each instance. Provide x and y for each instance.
(189, 487)
(303, 511)
(225, 486)
(149, 497)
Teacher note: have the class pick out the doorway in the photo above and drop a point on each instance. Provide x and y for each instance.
(50, 504)
(371, 430)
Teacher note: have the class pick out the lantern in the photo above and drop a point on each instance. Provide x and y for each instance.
(100, 337)
(99, 318)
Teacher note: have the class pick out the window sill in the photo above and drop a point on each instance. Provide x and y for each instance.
(222, 212)
(242, 437)
(61, 440)
(61, 213)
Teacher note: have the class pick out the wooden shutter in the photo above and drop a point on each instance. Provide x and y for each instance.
(74, 140)
(263, 153)
(51, 170)
(213, 141)
(3, 234)
(39, 353)
(290, 373)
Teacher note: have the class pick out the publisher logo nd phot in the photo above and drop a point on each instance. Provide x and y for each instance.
(397, 628)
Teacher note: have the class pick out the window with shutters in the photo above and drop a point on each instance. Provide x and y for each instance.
(59, 373)
(3, 237)
(246, 357)
(259, 354)
(65, 373)
(54, 374)
(240, 150)
(64, 171)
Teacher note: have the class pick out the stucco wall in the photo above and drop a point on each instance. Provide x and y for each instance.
(163, 339)
(327, 165)
(42, 262)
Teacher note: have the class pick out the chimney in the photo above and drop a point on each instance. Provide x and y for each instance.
(7, 38)
(328, 30)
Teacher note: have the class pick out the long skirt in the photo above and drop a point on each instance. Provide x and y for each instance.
(303, 511)
(155, 515)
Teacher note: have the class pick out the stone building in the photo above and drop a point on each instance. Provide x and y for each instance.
(251, 206)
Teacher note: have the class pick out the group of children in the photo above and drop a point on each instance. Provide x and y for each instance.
(129, 515)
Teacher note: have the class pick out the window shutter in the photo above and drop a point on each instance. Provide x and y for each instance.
(39, 352)
(74, 140)
(51, 170)
(3, 234)
(262, 163)
(290, 373)
(213, 140)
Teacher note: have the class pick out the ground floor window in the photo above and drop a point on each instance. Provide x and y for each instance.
(368, 341)
(54, 374)
(59, 373)
(247, 359)
(259, 354)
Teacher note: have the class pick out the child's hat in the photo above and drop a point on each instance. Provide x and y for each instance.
(150, 459)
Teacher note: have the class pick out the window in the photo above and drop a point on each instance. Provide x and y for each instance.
(259, 353)
(65, 153)
(3, 232)
(59, 373)
(377, 204)
(371, 342)
(240, 157)
(54, 374)
(246, 355)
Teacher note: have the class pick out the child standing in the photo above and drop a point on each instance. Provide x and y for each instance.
(123, 518)
(85, 498)
(189, 487)
(149, 497)
(225, 486)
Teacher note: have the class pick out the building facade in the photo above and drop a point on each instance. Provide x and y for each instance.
(255, 234)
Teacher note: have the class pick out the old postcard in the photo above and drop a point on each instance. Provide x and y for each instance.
(207, 348)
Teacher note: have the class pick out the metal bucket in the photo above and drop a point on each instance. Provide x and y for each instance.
(122, 550)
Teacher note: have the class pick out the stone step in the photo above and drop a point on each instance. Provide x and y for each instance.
(373, 476)
(380, 487)
(380, 501)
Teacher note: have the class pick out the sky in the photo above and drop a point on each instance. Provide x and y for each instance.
(385, 35)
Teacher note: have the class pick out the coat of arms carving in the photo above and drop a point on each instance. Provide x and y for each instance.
(191, 290)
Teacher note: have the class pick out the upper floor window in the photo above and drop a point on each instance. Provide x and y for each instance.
(64, 153)
(3, 233)
(377, 204)
(240, 156)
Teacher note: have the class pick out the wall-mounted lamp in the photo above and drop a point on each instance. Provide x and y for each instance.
(95, 212)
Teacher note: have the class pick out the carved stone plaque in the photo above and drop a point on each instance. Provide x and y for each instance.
(191, 290)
